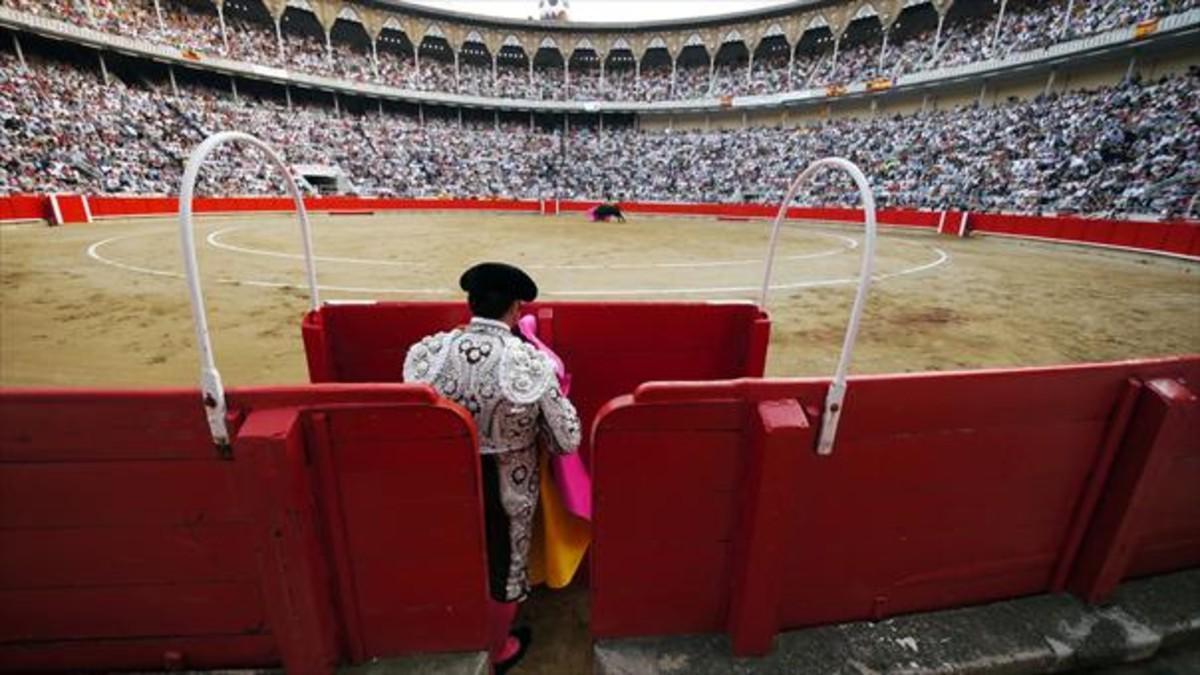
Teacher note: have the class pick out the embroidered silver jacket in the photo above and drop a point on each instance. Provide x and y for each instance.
(505, 383)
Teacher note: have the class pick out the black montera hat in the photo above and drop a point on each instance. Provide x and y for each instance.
(499, 277)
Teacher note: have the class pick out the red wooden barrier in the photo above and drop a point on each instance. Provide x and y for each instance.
(404, 496)
(1180, 238)
(128, 543)
(25, 207)
(68, 208)
(943, 490)
(611, 347)
(118, 523)
(1149, 521)
(1174, 237)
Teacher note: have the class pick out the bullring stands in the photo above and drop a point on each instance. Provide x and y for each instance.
(744, 54)
(1115, 150)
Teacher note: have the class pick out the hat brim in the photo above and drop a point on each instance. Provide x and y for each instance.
(495, 277)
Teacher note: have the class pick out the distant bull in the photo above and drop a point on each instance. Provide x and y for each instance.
(606, 212)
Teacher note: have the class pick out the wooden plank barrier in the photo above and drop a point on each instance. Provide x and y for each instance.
(611, 347)
(1181, 238)
(130, 544)
(713, 513)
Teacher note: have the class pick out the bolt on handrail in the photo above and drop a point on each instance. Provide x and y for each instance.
(212, 390)
(832, 411)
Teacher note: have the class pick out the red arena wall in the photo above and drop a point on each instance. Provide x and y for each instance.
(1178, 238)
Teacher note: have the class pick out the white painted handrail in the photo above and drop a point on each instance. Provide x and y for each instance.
(837, 390)
(210, 379)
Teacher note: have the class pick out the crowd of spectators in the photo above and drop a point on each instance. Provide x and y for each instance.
(1132, 148)
(1027, 25)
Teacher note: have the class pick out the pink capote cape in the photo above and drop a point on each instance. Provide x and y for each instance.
(570, 475)
(562, 531)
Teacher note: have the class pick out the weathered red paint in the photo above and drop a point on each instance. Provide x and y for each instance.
(612, 347)
(348, 524)
(119, 522)
(1176, 237)
(1149, 520)
(944, 489)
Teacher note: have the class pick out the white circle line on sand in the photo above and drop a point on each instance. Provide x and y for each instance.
(941, 259)
(214, 240)
(93, 252)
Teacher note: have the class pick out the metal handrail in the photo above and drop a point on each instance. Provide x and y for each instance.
(837, 389)
(212, 390)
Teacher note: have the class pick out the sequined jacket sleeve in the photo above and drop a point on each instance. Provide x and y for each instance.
(561, 419)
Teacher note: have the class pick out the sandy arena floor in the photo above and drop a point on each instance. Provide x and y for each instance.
(104, 304)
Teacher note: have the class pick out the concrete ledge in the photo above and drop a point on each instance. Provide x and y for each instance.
(1040, 634)
(460, 663)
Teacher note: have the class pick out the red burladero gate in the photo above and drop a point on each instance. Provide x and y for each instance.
(714, 513)
(346, 524)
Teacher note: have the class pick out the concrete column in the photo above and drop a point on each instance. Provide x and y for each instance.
(1050, 81)
(674, 68)
(287, 93)
(999, 23)
(328, 47)
(712, 71)
(158, 14)
(1129, 72)
(937, 38)
(982, 92)
(1066, 21)
(174, 86)
(375, 57)
(457, 80)
(20, 52)
(602, 60)
(531, 76)
(337, 107)
(496, 126)
(233, 88)
(221, 21)
(379, 106)
(566, 74)
(495, 70)
(791, 62)
(421, 114)
(883, 50)
(279, 37)
(837, 43)
(103, 69)
(750, 69)
(531, 125)
(460, 121)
